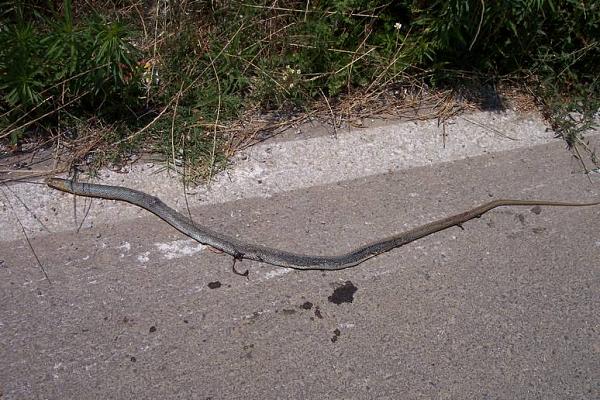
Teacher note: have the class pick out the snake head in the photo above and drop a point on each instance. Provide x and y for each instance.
(60, 184)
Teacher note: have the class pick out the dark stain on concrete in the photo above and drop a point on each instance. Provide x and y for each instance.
(214, 285)
(248, 350)
(307, 305)
(318, 313)
(343, 294)
(336, 335)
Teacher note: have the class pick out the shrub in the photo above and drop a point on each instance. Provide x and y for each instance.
(49, 63)
(218, 58)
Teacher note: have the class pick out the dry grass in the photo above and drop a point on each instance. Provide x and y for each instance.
(220, 130)
(90, 150)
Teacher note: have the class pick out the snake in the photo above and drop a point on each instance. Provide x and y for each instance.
(242, 250)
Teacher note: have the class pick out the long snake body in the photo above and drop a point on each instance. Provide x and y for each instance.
(241, 250)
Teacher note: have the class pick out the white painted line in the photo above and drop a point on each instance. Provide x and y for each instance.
(179, 248)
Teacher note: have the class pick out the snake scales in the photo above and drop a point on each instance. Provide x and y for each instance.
(240, 250)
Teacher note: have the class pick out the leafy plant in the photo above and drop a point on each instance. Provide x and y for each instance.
(204, 63)
(22, 77)
(49, 62)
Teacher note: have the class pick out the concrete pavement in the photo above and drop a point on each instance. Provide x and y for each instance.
(507, 308)
(278, 165)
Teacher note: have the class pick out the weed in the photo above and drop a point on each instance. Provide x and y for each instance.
(50, 62)
(171, 76)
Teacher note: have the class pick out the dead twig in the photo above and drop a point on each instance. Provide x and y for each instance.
(39, 263)
(333, 120)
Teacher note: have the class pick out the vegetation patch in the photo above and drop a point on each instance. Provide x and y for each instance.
(99, 81)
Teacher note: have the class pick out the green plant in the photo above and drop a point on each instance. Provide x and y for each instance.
(22, 77)
(48, 63)
(207, 63)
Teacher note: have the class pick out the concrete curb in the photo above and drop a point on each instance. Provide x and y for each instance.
(280, 166)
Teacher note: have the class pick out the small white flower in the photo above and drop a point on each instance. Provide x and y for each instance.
(398, 26)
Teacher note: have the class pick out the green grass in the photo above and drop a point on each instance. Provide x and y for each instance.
(169, 78)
